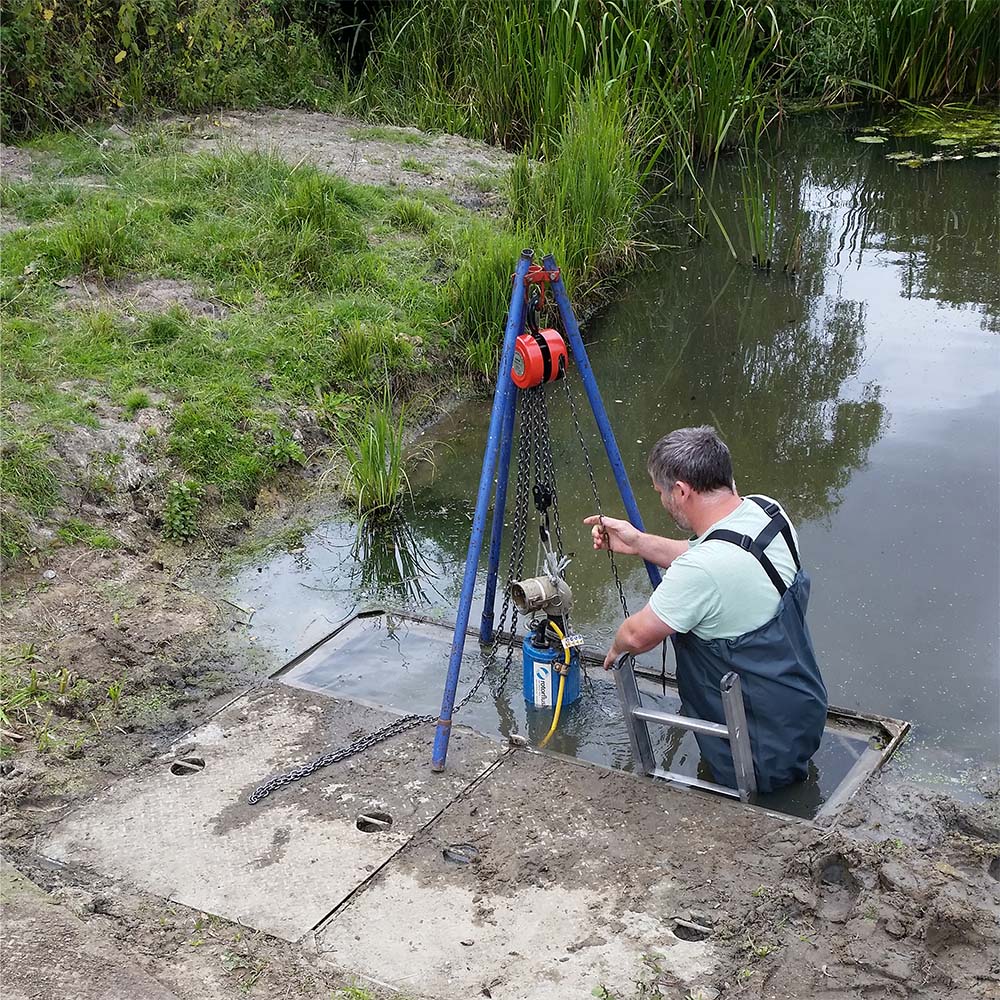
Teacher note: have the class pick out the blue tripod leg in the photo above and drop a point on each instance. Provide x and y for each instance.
(597, 405)
(496, 532)
(515, 319)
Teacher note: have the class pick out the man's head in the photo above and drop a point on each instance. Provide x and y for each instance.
(689, 466)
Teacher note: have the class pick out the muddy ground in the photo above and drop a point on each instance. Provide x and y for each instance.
(898, 899)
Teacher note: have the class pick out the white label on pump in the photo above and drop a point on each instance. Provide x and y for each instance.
(543, 684)
(518, 366)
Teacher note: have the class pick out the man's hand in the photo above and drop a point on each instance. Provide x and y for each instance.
(614, 534)
(638, 633)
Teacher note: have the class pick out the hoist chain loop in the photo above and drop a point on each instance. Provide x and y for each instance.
(522, 491)
(593, 486)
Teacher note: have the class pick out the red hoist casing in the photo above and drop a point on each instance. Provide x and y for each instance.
(538, 358)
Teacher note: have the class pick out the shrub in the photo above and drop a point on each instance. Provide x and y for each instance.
(71, 60)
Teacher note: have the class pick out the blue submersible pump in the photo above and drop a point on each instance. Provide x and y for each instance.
(550, 655)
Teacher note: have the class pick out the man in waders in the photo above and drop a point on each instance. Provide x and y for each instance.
(733, 597)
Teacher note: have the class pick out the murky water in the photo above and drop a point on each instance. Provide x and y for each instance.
(864, 393)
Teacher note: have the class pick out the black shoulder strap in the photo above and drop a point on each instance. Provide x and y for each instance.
(750, 545)
(773, 511)
(756, 546)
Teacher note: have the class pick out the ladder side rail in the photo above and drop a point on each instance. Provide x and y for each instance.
(735, 731)
(739, 736)
(638, 733)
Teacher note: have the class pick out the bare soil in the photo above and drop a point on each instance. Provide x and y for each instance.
(134, 295)
(469, 173)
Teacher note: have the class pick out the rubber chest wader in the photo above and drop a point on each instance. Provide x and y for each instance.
(783, 692)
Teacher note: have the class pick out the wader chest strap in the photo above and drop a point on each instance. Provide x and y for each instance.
(750, 545)
(773, 511)
(756, 546)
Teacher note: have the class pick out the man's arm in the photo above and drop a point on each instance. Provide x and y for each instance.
(638, 633)
(659, 550)
(624, 537)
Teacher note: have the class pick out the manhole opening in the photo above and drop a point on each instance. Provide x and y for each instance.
(374, 822)
(688, 930)
(187, 765)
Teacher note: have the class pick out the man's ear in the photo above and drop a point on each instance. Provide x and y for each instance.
(684, 489)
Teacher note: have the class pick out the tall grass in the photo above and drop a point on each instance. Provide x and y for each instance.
(924, 50)
(586, 195)
(759, 204)
(510, 72)
(373, 448)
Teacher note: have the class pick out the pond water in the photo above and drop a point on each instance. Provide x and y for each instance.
(864, 393)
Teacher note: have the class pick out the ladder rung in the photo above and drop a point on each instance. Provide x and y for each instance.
(683, 779)
(667, 719)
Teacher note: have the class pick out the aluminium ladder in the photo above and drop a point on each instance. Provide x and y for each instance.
(637, 719)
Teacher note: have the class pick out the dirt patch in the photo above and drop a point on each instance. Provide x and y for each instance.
(15, 163)
(470, 173)
(139, 295)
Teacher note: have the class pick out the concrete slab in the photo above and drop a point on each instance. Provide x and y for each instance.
(581, 876)
(49, 953)
(282, 865)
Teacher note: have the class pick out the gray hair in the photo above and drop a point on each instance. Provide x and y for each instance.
(696, 455)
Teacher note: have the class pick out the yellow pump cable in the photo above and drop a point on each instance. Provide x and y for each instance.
(562, 684)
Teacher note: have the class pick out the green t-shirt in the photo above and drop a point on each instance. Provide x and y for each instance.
(718, 591)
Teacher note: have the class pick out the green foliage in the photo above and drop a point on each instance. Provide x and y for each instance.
(482, 355)
(395, 136)
(416, 166)
(97, 239)
(905, 50)
(135, 401)
(74, 530)
(29, 488)
(284, 449)
(180, 512)
(373, 447)
(585, 195)
(66, 61)
(208, 444)
(413, 214)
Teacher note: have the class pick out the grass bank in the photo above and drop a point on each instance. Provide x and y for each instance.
(184, 327)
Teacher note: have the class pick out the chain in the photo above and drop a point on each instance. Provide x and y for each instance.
(593, 486)
(544, 444)
(341, 753)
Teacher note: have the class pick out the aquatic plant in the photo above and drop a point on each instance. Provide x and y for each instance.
(373, 448)
(922, 50)
(759, 187)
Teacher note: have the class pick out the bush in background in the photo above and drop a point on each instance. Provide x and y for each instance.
(64, 61)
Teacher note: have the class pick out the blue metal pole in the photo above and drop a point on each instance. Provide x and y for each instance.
(597, 405)
(515, 317)
(499, 505)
